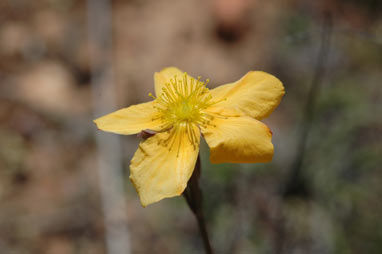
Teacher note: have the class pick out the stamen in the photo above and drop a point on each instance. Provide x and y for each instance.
(152, 96)
(181, 108)
(180, 142)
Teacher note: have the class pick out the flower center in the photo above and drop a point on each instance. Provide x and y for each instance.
(181, 107)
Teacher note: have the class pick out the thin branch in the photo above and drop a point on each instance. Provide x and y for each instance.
(296, 184)
(110, 171)
(194, 198)
(295, 177)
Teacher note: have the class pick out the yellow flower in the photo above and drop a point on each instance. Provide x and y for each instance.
(227, 117)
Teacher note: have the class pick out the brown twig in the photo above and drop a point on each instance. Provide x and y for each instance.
(194, 199)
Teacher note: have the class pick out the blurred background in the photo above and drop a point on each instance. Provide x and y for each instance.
(64, 189)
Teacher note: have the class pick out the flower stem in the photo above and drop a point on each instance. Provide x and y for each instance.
(194, 198)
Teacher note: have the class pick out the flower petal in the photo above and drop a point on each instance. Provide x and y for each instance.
(239, 139)
(164, 76)
(158, 172)
(130, 120)
(256, 94)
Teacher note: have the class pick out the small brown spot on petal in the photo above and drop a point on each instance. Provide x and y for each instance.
(145, 134)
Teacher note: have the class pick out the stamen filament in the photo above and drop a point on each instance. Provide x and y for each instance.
(181, 108)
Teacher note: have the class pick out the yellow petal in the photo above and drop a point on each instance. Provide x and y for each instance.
(158, 172)
(256, 94)
(164, 76)
(238, 140)
(130, 120)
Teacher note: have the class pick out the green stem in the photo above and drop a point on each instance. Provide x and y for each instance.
(194, 197)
